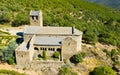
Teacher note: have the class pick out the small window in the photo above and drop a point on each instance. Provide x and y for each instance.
(32, 17)
(40, 48)
(36, 17)
(45, 49)
(36, 48)
(53, 49)
(48, 48)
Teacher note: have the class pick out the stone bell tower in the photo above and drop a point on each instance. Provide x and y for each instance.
(36, 18)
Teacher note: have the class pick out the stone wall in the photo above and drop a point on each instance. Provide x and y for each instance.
(69, 47)
(22, 57)
(38, 65)
(79, 42)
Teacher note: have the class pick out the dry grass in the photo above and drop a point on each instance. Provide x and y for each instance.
(12, 67)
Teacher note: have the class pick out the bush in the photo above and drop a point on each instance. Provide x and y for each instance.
(103, 70)
(20, 19)
(11, 61)
(24, 68)
(77, 58)
(44, 55)
(66, 71)
(90, 37)
(5, 17)
(56, 54)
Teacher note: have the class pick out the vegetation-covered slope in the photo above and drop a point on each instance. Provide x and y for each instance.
(98, 23)
(110, 3)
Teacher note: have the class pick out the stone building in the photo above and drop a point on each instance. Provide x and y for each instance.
(36, 18)
(37, 38)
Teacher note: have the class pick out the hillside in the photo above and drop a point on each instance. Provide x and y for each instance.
(98, 23)
(111, 3)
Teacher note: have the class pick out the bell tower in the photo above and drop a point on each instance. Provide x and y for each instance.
(36, 18)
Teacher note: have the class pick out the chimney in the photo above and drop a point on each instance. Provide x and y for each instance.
(73, 29)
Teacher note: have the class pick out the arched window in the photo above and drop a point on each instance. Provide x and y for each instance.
(59, 50)
(35, 48)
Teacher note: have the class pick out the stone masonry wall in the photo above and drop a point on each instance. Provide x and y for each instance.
(69, 47)
(22, 57)
(39, 65)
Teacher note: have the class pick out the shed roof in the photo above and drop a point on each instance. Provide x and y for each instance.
(34, 13)
(50, 30)
(52, 41)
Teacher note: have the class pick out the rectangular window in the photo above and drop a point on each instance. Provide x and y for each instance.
(36, 17)
(32, 17)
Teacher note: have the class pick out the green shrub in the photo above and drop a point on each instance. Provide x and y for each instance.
(11, 61)
(20, 19)
(90, 37)
(56, 54)
(44, 55)
(24, 68)
(108, 53)
(66, 71)
(77, 58)
(103, 70)
(5, 17)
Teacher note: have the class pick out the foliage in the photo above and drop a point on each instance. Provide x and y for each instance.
(114, 56)
(10, 72)
(24, 68)
(103, 70)
(11, 61)
(5, 17)
(9, 52)
(77, 58)
(20, 19)
(66, 71)
(44, 55)
(90, 37)
(98, 23)
(56, 54)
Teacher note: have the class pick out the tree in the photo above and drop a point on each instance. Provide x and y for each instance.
(5, 17)
(103, 70)
(56, 54)
(77, 58)
(20, 19)
(9, 52)
(90, 37)
(44, 55)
